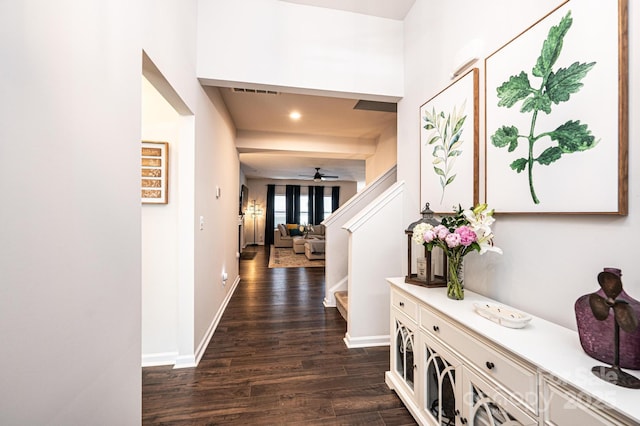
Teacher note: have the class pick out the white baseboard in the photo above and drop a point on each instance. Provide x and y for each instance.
(366, 342)
(185, 361)
(214, 324)
(162, 358)
(190, 360)
(329, 298)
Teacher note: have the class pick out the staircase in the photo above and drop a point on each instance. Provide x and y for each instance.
(337, 239)
(342, 303)
(369, 262)
(352, 265)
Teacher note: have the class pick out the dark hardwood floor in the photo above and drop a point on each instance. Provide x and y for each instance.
(276, 358)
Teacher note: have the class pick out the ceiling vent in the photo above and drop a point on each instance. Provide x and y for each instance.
(376, 106)
(258, 91)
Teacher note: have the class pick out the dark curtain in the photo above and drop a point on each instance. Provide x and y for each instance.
(296, 203)
(268, 223)
(310, 206)
(318, 207)
(292, 193)
(335, 198)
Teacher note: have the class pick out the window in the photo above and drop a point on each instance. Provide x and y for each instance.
(327, 204)
(304, 206)
(280, 206)
(279, 210)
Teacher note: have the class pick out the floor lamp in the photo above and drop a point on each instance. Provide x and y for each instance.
(254, 210)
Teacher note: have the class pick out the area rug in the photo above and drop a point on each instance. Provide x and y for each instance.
(285, 258)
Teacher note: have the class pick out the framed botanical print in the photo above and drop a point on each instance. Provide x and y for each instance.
(556, 114)
(449, 146)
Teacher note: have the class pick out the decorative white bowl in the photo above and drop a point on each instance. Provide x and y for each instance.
(503, 315)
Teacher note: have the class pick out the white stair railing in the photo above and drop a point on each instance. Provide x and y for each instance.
(376, 236)
(337, 239)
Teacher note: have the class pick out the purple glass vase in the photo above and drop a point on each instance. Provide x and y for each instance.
(596, 337)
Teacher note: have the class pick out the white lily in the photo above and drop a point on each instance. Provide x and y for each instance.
(480, 220)
(486, 244)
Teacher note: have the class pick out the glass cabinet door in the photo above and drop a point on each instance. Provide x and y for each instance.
(404, 344)
(487, 406)
(441, 383)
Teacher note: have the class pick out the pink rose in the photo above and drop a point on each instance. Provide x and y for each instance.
(452, 240)
(441, 231)
(467, 236)
(429, 236)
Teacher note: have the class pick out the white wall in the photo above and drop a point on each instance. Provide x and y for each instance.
(385, 155)
(217, 165)
(160, 242)
(70, 212)
(549, 260)
(170, 40)
(298, 46)
(370, 261)
(208, 159)
(70, 311)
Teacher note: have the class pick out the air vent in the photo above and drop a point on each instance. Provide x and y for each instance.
(376, 106)
(258, 91)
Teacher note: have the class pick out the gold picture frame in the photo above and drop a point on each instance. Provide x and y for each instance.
(449, 140)
(154, 162)
(564, 149)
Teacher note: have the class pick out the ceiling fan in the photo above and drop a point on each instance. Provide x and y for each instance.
(319, 177)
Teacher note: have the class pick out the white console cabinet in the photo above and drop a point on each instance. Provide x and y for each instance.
(450, 366)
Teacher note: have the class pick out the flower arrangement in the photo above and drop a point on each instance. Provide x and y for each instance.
(305, 229)
(466, 231)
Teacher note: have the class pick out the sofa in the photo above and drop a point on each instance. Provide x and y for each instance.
(314, 249)
(284, 234)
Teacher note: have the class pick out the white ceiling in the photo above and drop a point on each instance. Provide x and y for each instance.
(321, 116)
(392, 9)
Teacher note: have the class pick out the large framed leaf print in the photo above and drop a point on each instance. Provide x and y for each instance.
(449, 146)
(556, 114)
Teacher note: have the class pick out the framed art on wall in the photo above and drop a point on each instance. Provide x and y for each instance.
(449, 146)
(556, 114)
(154, 162)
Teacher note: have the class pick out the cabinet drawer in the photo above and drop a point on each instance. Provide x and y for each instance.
(405, 304)
(521, 381)
(563, 409)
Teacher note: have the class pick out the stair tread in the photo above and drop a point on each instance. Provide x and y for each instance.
(342, 303)
(342, 296)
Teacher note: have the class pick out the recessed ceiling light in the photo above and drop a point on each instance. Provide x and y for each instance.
(295, 115)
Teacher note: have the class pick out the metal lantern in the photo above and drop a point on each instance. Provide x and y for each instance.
(426, 274)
